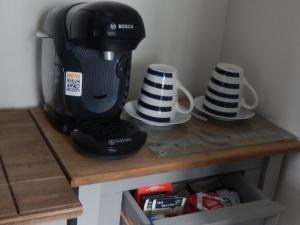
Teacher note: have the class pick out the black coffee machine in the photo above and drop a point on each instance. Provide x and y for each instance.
(86, 64)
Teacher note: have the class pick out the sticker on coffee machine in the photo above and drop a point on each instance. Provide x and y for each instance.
(73, 84)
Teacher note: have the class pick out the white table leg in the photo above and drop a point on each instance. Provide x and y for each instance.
(89, 197)
(59, 222)
(110, 209)
(99, 208)
(271, 174)
(273, 220)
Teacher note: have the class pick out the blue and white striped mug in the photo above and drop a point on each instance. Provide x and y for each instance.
(158, 100)
(224, 94)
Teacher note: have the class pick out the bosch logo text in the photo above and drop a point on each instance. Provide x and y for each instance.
(125, 26)
(121, 26)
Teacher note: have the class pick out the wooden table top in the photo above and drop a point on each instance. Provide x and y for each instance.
(82, 170)
(33, 188)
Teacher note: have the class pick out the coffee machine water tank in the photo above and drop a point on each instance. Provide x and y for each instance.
(86, 60)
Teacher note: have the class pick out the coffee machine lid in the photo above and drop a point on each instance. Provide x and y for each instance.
(106, 26)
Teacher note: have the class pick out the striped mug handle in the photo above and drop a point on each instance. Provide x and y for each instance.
(256, 100)
(190, 97)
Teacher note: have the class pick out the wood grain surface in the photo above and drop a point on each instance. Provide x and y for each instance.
(2, 176)
(82, 170)
(42, 217)
(34, 162)
(33, 188)
(43, 195)
(7, 206)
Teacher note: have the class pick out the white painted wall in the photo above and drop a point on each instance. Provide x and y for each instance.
(263, 36)
(187, 34)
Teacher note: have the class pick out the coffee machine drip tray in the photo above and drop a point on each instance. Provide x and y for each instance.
(108, 139)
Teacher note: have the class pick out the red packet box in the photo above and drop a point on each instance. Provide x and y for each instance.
(152, 192)
(206, 201)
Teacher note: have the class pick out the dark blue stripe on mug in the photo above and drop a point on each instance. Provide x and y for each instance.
(160, 74)
(155, 119)
(222, 94)
(223, 84)
(157, 85)
(222, 104)
(218, 113)
(158, 97)
(226, 73)
(154, 108)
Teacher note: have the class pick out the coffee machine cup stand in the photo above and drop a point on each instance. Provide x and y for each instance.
(86, 63)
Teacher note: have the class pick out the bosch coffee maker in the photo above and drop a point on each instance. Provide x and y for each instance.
(86, 63)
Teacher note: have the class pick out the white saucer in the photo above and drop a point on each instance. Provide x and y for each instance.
(130, 108)
(243, 115)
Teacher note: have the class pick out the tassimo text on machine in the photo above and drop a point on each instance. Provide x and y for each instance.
(118, 141)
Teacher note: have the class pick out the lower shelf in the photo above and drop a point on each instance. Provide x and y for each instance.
(255, 210)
